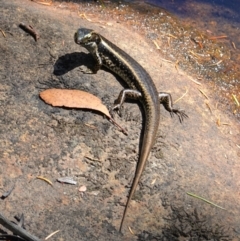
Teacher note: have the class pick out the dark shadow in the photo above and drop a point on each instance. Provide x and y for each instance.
(71, 61)
(11, 237)
(184, 224)
(68, 62)
(2, 232)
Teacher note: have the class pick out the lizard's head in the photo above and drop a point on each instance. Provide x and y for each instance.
(86, 37)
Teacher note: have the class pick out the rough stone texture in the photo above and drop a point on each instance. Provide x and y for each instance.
(39, 140)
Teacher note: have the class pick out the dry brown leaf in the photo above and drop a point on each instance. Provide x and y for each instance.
(73, 99)
(76, 99)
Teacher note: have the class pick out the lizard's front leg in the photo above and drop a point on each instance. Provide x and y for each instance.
(125, 93)
(96, 67)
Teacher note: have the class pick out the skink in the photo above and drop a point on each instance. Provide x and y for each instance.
(141, 87)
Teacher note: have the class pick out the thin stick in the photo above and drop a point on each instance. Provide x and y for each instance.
(166, 60)
(219, 62)
(131, 231)
(50, 235)
(176, 65)
(116, 124)
(156, 44)
(17, 230)
(218, 37)
(181, 96)
(235, 99)
(29, 29)
(196, 82)
(170, 35)
(43, 3)
(44, 179)
(4, 35)
(234, 46)
(202, 92)
(205, 200)
(207, 104)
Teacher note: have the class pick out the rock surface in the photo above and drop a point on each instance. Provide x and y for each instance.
(197, 156)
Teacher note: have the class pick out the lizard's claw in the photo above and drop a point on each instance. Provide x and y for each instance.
(117, 108)
(180, 113)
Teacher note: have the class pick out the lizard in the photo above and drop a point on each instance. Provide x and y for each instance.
(140, 87)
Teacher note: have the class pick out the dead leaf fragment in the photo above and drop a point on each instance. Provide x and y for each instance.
(68, 180)
(73, 99)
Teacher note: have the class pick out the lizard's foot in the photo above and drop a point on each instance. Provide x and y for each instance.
(180, 113)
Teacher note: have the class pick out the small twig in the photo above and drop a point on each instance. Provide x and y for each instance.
(176, 65)
(205, 200)
(90, 126)
(207, 104)
(131, 231)
(219, 62)
(166, 60)
(156, 44)
(17, 230)
(226, 124)
(197, 55)
(45, 179)
(92, 159)
(43, 3)
(3, 33)
(170, 35)
(181, 96)
(153, 181)
(84, 16)
(236, 100)
(50, 235)
(196, 82)
(116, 124)
(29, 29)
(234, 46)
(169, 41)
(200, 45)
(218, 37)
(203, 93)
(218, 122)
